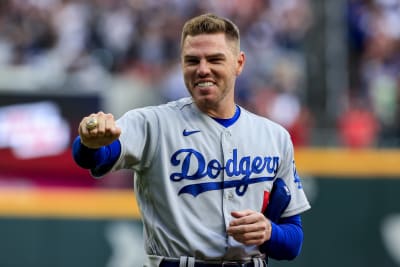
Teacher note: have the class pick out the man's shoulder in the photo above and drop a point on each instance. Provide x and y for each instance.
(180, 103)
(171, 106)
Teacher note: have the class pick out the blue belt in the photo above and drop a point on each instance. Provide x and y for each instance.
(175, 263)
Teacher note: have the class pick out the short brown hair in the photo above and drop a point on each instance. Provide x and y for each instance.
(209, 24)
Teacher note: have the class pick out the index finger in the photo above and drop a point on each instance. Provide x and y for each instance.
(243, 217)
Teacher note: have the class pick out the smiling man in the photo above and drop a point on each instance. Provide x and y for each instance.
(209, 175)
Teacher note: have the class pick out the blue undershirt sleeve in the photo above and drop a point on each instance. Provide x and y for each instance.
(286, 239)
(100, 160)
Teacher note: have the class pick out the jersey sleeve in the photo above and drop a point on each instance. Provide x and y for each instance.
(288, 172)
(139, 135)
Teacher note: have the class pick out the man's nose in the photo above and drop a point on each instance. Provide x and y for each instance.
(203, 68)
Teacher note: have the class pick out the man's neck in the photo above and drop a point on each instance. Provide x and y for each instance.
(220, 111)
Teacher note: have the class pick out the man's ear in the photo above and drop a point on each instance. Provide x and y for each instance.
(241, 61)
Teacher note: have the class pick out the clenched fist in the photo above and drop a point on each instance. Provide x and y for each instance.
(98, 129)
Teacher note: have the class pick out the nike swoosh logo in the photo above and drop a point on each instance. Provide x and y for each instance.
(187, 133)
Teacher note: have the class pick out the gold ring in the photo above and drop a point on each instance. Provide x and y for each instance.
(91, 124)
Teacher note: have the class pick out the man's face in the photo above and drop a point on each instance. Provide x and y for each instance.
(210, 66)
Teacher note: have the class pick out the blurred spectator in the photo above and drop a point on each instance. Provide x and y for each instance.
(358, 126)
(375, 40)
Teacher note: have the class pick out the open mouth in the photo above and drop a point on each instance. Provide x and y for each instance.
(204, 84)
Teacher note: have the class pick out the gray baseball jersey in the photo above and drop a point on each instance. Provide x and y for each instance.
(191, 173)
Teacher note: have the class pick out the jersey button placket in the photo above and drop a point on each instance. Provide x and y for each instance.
(228, 193)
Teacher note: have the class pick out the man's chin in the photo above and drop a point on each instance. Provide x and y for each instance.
(205, 101)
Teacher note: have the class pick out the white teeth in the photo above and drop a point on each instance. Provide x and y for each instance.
(205, 84)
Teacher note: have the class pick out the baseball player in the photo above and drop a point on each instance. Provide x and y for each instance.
(205, 168)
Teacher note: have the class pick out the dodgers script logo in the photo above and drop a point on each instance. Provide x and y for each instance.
(193, 166)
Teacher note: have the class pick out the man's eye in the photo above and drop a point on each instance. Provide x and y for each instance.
(216, 60)
(191, 61)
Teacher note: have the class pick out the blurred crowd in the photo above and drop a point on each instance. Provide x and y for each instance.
(87, 39)
(373, 114)
(91, 38)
